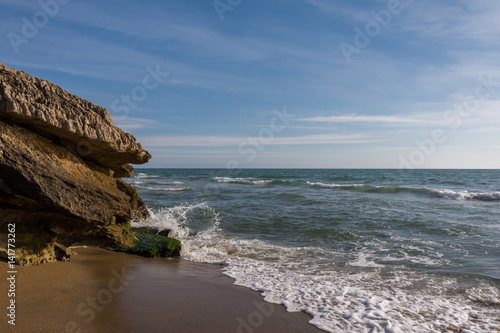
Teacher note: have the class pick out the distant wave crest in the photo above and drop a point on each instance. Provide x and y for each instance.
(466, 195)
(386, 189)
(251, 181)
(440, 193)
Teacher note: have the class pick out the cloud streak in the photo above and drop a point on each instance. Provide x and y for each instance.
(220, 141)
(353, 118)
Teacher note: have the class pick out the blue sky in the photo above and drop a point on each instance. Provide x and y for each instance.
(277, 83)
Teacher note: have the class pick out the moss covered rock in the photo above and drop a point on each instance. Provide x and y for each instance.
(146, 242)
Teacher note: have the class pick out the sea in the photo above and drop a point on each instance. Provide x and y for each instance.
(359, 250)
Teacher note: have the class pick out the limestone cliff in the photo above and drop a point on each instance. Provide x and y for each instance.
(60, 162)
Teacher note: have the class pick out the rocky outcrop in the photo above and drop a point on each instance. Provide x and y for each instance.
(78, 124)
(60, 162)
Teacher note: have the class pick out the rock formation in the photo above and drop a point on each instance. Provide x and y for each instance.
(61, 158)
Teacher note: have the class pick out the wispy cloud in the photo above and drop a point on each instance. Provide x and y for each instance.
(225, 76)
(353, 118)
(128, 123)
(484, 130)
(219, 141)
(337, 8)
(475, 21)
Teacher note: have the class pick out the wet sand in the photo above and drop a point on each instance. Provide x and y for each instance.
(103, 291)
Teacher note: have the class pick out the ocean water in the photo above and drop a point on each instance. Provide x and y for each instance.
(360, 250)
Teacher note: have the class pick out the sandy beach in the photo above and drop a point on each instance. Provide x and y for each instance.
(103, 291)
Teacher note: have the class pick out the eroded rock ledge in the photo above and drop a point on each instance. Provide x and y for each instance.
(60, 162)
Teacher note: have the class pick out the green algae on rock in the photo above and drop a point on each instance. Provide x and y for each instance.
(148, 243)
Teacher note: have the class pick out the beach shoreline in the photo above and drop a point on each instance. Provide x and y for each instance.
(103, 291)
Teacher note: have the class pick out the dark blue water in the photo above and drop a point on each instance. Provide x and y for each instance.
(361, 250)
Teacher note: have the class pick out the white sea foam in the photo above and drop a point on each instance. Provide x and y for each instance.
(142, 175)
(242, 180)
(176, 219)
(363, 261)
(319, 184)
(366, 301)
(466, 195)
(441, 193)
(365, 298)
(384, 254)
(164, 189)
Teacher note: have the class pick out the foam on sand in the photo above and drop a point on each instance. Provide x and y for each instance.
(358, 294)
